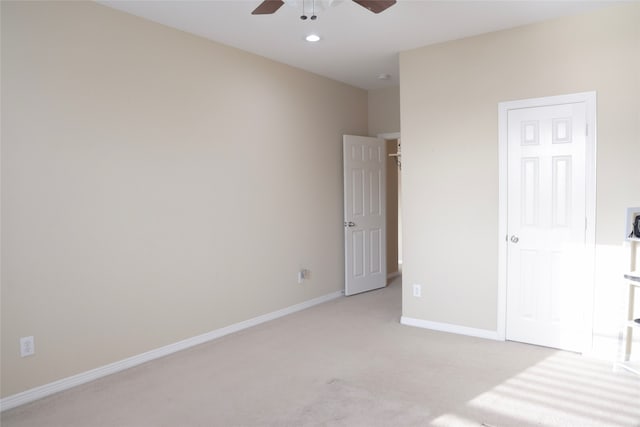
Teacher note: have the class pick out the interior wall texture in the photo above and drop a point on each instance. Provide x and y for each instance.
(449, 96)
(384, 110)
(156, 186)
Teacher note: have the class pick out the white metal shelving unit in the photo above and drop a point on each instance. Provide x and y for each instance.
(632, 280)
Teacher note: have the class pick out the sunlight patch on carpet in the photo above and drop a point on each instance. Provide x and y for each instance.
(554, 392)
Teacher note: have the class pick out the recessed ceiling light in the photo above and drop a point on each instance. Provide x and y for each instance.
(312, 38)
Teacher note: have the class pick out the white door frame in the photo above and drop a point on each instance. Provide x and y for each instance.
(589, 98)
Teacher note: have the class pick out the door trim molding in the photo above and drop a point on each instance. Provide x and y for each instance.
(589, 98)
(389, 136)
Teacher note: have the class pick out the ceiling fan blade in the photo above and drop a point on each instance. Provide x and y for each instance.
(376, 6)
(267, 7)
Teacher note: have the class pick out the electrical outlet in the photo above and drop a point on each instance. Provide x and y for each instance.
(417, 290)
(27, 346)
(303, 275)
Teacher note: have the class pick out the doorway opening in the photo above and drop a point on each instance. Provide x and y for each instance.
(394, 207)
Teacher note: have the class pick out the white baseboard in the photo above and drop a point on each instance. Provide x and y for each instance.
(36, 393)
(454, 329)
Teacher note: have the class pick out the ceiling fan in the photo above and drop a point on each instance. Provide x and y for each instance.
(268, 7)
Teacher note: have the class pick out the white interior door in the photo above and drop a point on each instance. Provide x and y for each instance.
(546, 223)
(364, 214)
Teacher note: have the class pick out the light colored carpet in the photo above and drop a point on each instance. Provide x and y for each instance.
(349, 362)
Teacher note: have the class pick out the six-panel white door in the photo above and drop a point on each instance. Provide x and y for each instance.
(546, 225)
(364, 214)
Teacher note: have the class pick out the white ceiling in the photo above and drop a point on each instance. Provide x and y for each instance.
(357, 45)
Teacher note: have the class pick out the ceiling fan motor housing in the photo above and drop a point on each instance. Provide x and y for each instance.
(267, 7)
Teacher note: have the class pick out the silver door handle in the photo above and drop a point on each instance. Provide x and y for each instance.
(349, 224)
(515, 239)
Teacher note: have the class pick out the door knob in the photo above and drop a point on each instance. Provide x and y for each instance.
(515, 239)
(349, 224)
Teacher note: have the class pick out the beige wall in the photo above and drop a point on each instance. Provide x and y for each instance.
(156, 186)
(384, 110)
(449, 97)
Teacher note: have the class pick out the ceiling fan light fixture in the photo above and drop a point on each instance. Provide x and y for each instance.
(312, 38)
